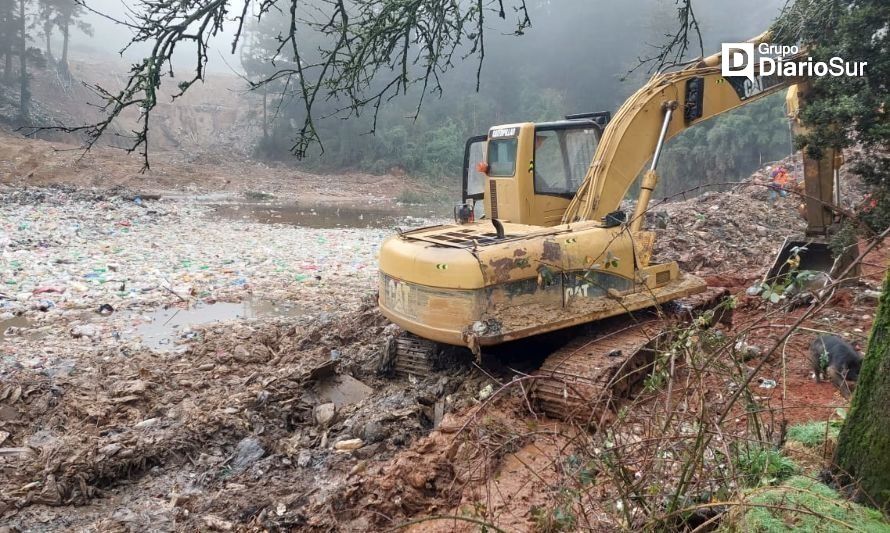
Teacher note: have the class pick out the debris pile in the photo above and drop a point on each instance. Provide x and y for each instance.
(716, 231)
(739, 230)
(294, 409)
(97, 265)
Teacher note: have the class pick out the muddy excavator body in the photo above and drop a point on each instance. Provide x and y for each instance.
(540, 242)
(492, 280)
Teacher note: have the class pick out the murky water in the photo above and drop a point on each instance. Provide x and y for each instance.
(327, 216)
(165, 326)
(16, 326)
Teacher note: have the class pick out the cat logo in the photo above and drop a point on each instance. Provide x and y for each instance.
(498, 133)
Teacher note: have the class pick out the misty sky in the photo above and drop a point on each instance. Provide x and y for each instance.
(644, 20)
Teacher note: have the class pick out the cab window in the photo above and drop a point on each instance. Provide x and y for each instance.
(502, 157)
(561, 159)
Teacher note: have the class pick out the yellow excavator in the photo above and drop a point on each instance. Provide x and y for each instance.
(540, 242)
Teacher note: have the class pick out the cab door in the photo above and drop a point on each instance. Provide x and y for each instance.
(562, 155)
(473, 189)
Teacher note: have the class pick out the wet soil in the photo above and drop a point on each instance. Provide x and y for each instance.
(228, 432)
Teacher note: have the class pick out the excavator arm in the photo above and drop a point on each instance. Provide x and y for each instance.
(668, 104)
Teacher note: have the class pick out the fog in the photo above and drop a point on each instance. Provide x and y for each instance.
(608, 34)
(577, 56)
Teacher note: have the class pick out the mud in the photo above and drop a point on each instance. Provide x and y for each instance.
(269, 412)
(181, 421)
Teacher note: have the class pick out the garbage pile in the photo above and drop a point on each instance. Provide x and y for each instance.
(717, 231)
(737, 231)
(94, 264)
(255, 423)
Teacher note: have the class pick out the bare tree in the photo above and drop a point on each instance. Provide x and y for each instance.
(371, 51)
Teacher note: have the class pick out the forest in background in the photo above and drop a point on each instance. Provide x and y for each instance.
(29, 31)
(567, 62)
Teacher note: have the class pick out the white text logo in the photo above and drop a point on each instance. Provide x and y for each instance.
(764, 59)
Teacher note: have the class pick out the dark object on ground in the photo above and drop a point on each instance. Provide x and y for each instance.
(837, 360)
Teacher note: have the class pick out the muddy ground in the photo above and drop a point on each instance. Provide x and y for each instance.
(278, 419)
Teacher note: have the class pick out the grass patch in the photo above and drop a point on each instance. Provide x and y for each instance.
(812, 434)
(763, 466)
(803, 505)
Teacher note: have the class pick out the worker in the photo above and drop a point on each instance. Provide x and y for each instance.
(778, 184)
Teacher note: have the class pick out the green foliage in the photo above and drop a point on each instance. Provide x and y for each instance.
(563, 69)
(726, 148)
(763, 466)
(842, 239)
(803, 505)
(863, 450)
(553, 520)
(791, 281)
(812, 434)
(844, 111)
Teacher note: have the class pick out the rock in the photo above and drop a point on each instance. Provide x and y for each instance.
(868, 295)
(241, 353)
(374, 431)
(325, 414)
(84, 330)
(304, 458)
(348, 445)
(486, 391)
(248, 451)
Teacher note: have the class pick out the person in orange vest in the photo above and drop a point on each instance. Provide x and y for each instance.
(779, 183)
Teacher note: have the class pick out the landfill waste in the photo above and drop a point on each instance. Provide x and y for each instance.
(738, 228)
(118, 271)
(235, 386)
(767, 383)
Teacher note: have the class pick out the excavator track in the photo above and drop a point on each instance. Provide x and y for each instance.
(414, 355)
(593, 374)
(409, 356)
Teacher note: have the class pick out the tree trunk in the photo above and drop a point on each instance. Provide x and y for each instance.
(48, 31)
(64, 61)
(25, 95)
(7, 68)
(265, 119)
(863, 451)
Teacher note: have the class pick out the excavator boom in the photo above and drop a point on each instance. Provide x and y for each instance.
(686, 97)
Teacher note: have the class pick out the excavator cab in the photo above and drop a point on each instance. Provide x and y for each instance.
(527, 173)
